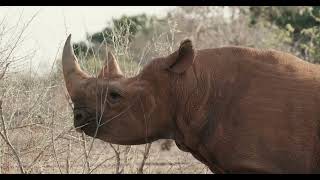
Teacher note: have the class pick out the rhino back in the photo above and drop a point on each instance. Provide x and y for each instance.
(265, 109)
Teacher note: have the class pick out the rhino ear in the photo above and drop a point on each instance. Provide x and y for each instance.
(182, 59)
(111, 68)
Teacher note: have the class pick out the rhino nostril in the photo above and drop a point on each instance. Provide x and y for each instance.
(81, 117)
(78, 116)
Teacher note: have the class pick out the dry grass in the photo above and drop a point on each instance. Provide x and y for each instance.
(37, 134)
(39, 125)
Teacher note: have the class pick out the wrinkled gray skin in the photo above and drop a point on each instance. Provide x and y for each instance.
(237, 110)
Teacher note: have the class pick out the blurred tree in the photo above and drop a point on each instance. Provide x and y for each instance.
(124, 36)
(133, 24)
(127, 26)
(81, 49)
(301, 23)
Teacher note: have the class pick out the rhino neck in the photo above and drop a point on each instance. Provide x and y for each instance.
(200, 96)
(193, 92)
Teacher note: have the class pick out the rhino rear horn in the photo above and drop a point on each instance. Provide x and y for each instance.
(111, 67)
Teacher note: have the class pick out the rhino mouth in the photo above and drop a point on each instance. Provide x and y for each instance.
(80, 127)
(90, 127)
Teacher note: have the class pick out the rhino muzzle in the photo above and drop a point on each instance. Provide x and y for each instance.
(81, 118)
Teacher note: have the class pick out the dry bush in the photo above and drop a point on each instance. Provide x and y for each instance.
(39, 125)
(212, 27)
(38, 135)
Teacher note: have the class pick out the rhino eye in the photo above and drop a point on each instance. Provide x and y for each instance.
(114, 97)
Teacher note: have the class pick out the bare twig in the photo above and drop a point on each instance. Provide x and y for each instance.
(20, 35)
(84, 146)
(4, 71)
(117, 154)
(126, 156)
(4, 136)
(53, 146)
(45, 148)
(24, 126)
(100, 164)
(145, 157)
(68, 158)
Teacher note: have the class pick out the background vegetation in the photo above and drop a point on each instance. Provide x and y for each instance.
(36, 133)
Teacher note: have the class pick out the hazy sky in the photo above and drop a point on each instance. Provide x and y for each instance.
(50, 27)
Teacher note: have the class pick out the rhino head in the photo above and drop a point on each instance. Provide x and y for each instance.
(127, 111)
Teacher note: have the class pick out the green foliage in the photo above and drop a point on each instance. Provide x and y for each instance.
(82, 50)
(124, 25)
(300, 23)
(132, 24)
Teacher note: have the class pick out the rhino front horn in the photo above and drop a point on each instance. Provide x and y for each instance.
(71, 69)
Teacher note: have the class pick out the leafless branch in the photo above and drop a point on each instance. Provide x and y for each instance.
(145, 157)
(4, 71)
(84, 146)
(4, 136)
(100, 164)
(53, 146)
(117, 154)
(45, 148)
(68, 158)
